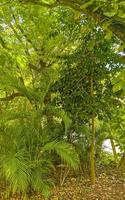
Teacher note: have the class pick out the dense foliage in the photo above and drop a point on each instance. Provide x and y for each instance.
(62, 90)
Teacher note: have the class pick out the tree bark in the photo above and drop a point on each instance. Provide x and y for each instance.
(122, 162)
(114, 150)
(92, 149)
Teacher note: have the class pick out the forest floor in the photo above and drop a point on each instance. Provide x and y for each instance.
(105, 189)
(110, 185)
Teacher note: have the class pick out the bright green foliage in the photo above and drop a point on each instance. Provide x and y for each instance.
(64, 150)
(49, 50)
(101, 11)
(16, 171)
(29, 162)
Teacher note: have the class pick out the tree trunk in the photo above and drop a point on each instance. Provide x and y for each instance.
(114, 149)
(122, 162)
(92, 149)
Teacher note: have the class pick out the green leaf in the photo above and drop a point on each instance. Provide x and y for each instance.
(21, 61)
(39, 183)
(87, 4)
(113, 11)
(63, 115)
(65, 151)
(121, 14)
(121, 47)
(16, 171)
(108, 35)
(122, 3)
(117, 87)
(110, 14)
(91, 45)
(106, 24)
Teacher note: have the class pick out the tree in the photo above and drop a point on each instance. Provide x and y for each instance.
(28, 138)
(85, 85)
(109, 14)
(57, 68)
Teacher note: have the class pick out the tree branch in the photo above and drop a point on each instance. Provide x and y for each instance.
(4, 4)
(37, 2)
(11, 97)
(117, 25)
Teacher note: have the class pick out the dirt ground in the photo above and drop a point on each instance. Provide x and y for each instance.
(109, 186)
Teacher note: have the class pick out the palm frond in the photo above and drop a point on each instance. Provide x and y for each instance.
(65, 151)
(40, 182)
(16, 171)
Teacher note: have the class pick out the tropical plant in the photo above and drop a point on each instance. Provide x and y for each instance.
(61, 89)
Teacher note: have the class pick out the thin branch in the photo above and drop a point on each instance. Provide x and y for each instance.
(11, 97)
(36, 2)
(3, 44)
(117, 26)
(6, 3)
